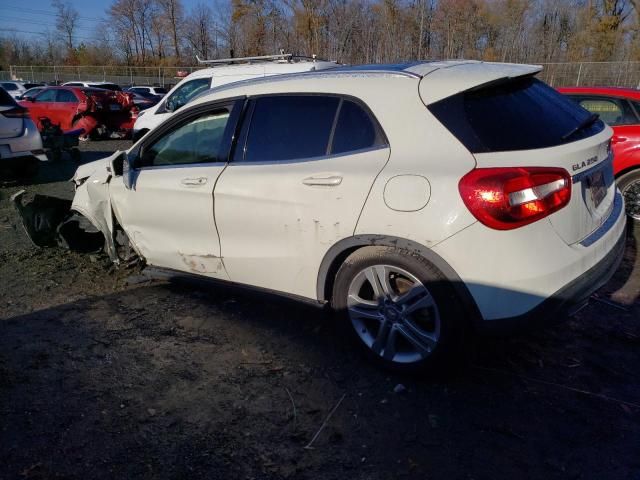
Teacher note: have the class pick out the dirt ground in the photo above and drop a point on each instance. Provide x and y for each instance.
(108, 373)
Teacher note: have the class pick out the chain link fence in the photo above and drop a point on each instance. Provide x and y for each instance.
(620, 74)
(122, 75)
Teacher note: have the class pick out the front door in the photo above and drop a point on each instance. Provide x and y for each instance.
(300, 176)
(168, 215)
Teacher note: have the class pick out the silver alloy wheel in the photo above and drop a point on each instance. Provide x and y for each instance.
(393, 313)
(631, 194)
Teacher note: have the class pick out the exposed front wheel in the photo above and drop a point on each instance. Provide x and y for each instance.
(629, 185)
(400, 309)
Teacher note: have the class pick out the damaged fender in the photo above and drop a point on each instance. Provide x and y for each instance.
(85, 224)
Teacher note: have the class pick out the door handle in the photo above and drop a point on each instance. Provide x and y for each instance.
(617, 139)
(332, 181)
(194, 182)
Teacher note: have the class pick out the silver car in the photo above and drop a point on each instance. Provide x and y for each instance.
(20, 142)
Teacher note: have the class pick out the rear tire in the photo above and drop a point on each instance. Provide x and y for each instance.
(400, 310)
(629, 185)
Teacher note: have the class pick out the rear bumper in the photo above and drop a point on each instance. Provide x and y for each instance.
(527, 273)
(565, 301)
(26, 146)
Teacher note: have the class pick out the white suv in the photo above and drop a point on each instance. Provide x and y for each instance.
(421, 201)
(202, 80)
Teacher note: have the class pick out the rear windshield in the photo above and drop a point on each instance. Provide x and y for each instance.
(10, 87)
(521, 114)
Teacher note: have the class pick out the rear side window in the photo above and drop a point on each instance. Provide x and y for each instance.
(290, 127)
(614, 111)
(66, 96)
(521, 114)
(298, 127)
(46, 96)
(9, 87)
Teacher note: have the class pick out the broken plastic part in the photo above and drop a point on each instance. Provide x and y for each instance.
(49, 222)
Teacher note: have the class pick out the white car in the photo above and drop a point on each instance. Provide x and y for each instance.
(20, 142)
(422, 201)
(15, 89)
(160, 91)
(202, 80)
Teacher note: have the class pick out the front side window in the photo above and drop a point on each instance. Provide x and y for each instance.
(66, 96)
(199, 140)
(46, 96)
(9, 87)
(186, 92)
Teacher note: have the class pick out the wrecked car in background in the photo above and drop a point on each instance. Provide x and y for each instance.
(100, 113)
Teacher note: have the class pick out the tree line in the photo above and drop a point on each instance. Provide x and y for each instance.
(165, 32)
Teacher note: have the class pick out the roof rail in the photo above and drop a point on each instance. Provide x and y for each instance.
(280, 56)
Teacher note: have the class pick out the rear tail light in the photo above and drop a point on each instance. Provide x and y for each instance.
(508, 198)
(16, 112)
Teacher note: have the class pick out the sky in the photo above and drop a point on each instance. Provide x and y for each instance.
(29, 18)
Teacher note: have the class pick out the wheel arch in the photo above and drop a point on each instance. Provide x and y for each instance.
(336, 255)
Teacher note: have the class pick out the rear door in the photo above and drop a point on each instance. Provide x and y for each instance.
(66, 108)
(302, 170)
(168, 215)
(524, 122)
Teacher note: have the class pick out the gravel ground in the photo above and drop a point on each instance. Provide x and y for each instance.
(111, 373)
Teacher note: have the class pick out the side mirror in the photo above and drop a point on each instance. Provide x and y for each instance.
(169, 106)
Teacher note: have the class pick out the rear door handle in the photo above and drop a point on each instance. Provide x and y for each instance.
(331, 181)
(194, 182)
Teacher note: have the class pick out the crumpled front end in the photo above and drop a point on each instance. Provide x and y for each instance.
(84, 224)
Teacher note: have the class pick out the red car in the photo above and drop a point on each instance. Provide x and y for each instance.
(620, 108)
(99, 112)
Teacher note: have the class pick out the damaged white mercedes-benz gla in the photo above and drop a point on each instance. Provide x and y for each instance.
(422, 201)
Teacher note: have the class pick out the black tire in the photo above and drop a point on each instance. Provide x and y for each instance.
(629, 185)
(448, 352)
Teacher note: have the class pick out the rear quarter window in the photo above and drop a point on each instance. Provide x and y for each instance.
(520, 114)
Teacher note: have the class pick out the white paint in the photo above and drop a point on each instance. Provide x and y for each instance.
(407, 193)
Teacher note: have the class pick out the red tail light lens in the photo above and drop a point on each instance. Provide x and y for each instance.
(16, 112)
(508, 198)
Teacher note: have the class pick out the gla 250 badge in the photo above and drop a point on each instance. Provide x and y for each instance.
(585, 163)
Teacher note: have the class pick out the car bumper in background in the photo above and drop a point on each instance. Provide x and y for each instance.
(28, 145)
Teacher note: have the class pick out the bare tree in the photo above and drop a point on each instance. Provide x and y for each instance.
(66, 20)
